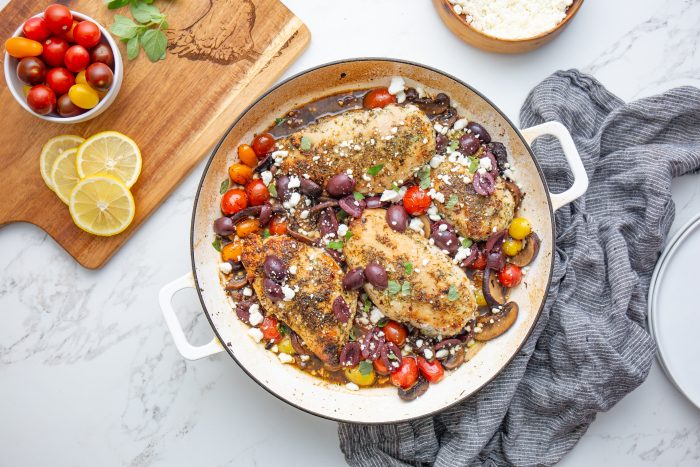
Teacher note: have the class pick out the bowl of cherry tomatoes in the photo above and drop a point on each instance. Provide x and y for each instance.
(63, 66)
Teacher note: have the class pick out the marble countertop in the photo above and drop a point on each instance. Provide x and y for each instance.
(89, 374)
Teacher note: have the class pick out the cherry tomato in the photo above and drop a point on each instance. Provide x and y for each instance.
(66, 107)
(432, 371)
(20, 47)
(60, 80)
(406, 375)
(77, 58)
(232, 251)
(278, 226)
(416, 201)
(233, 201)
(80, 78)
(247, 227)
(257, 192)
(395, 332)
(36, 29)
(31, 70)
(87, 34)
(519, 228)
(25, 90)
(58, 18)
(512, 247)
(378, 98)
(41, 99)
(355, 375)
(380, 368)
(263, 143)
(510, 275)
(69, 35)
(102, 53)
(479, 262)
(247, 155)
(480, 299)
(55, 48)
(83, 96)
(99, 76)
(269, 328)
(240, 173)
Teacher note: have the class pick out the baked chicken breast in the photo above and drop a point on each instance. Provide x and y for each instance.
(315, 278)
(439, 298)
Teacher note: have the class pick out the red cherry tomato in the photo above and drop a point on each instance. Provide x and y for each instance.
(278, 226)
(432, 371)
(380, 367)
(406, 375)
(269, 328)
(41, 99)
(36, 29)
(510, 275)
(60, 80)
(233, 201)
(479, 262)
(99, 76)
(416, 201)
(378, 98)
(55, 48)
(87, 34)
(395, 332)
(77, 58)
(257, 192)
(103, 54)
(58, 18)
(263, 143)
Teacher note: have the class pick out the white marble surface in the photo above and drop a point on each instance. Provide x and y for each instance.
(89, 374)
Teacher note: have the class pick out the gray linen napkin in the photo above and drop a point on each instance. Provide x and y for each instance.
(590, 347)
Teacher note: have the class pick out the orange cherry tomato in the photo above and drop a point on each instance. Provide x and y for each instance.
(380, 368)
(416, 201)
(406, 375)
(378, 98)
(247, 227)
(257, 192)
(232, 251)
(395, 332)
(432, 371)
(20, 47)
(233, 201)
(69, 35)
(510, 275)
(269, 328)
(278, 225)
(240, 173)
(263, 143)
(247, 155)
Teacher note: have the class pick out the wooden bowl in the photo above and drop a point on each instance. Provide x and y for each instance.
(469, 34)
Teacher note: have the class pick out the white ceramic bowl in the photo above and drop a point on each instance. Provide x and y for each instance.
(16, 85)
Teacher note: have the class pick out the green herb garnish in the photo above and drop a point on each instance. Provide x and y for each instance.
(424, 176)
(368, 305)
(467, 242)
(394, 186)
(224, 186)
(217, 243)
(335, 245)
(272, 189)
(348, 235)
(358, 196)
(452, 294)
(305, 144)
(282, 329)
(280, 120)
(453, 145)
(405, 288)
(473, 164)
(382, 322)
(393, 288)
(408, 267)
(147, 31)
(265, 233)
(351, 336)
(375, 169)
(366, 367)
(452, 202)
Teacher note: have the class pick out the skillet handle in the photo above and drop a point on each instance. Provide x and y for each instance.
(560, 132)
(187, 350)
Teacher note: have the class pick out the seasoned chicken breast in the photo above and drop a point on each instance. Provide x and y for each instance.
(315, 279)
(400, 138)
(474, 216)
(439, 298)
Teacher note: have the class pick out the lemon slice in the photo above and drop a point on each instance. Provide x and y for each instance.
(64, 175)
(51, 150)
(102, 205)
(112, 153)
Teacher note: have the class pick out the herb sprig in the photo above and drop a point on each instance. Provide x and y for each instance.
(145, 31)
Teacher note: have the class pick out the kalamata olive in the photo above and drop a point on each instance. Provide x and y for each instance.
(495, 240)
(354, 279)
(265, 214)
(391, 355)
(273, 290)
(340, 185)
(372, 344)
(243, 311)
(496, 260)
(473, 255)
(446, 343)
(31, 70)
(352, 206)
(341, 310)
(350, 355)
(373, 202)
(436, 226)
(282, 186)
(397, 218)
(448, 118)
(99, 76)
(265, 164)
(274, 268)
(310, 188)
(499, 150)
(479, 131)
(445, 240)
(66, 107)
(469, 144)
(102, 53)
(235, 265)
(376, 275)
(328, 222)
(224, 226)
(440, 142)
(411, 94)
(442, 98)
(484, 184)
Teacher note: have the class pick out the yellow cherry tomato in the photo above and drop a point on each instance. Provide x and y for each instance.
(83, 96)
(512, 247)
(20, 47)
(80, 78)
(519, 228)
(25, 89)
(285, 346)
(480, 300)
(354, 375)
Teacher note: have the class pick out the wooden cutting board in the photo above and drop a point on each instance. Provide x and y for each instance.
(176, 109)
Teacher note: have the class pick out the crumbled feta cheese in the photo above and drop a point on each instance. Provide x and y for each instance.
(375, 315)
(401, 97)
(436, 161)
(256, 334)
(294, 182)
(428, 354)
(285, 358)
(342, 230)
(255, 317)
(416, 224)
(442, 353)
(294, 199)
(397, 85)
(425, 261)
(304, 358)
(352, 386)
(305, 214)
(460, 124)
(419, 343)
(288, 293)
(485, 163)
(247, 292)
(225, 267)
(461, 254)
(390, 195)
(293, 269)
(266, 177)
(420, 91)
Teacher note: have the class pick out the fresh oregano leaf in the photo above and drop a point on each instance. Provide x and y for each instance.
(393, 288)
(154, 43)
(408, 267)
(305, 143)
(424, 176)
(132, 48)
(224, 186)
(358, 196)
(405, 288)
(366, 367)
(335, 245)
(375, 169)
(145, 14)
(452, 202)
(124, 27)
(452, 294)
(217, 243)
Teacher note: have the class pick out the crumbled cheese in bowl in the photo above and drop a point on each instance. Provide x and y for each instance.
(512, 19)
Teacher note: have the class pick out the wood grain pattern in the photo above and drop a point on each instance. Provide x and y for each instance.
(222, 55)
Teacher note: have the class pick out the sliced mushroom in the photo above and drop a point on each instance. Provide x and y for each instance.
(493, 325)
(455, 359)
(517, 194)
(426, 226)
(494, 292)
(237, 282)
(529, 251)
(415, 391)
